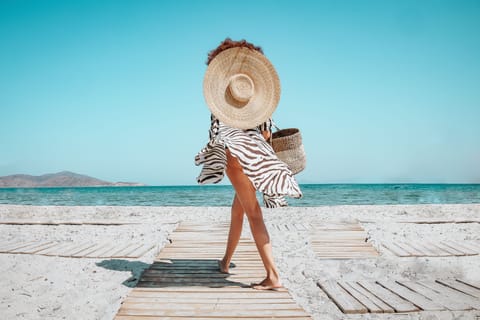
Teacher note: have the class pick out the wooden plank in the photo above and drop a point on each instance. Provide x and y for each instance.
(68, 252)
(470, 245)
(65, 252)
(101, 250)
(430, 249)
(132, 251)
(442, 250)
(11, 245)
(30, 248)
(125, 249)
(202, 292)
(453, 294)
(85, 252)
(214, 313)
(41, 248)
(341, 298)
(356, 290)
(459, 247)
(396, 249)
(397, 303)
(435, 296)
(460, 286)
(470, 283)
(170, 300)
(125, 317)
(411, 251)
(412, 296)
(141, 250)
(344, 249)
(151, 274)
(80, 251)
(449, 249)
(188, 305)
(75, 222)
(370, 305)
(51, 250)
(415, 248)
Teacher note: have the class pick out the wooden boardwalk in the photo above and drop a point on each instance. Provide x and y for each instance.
(341, 241)
(72, 249)
(184, 282)
(427, 248)
(388, 296)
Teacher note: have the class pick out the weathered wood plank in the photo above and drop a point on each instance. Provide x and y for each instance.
(460, 286)
(214, 313)
(396, 249)
(470, 283)
(30, 247)
(411, 251)
(448, 249)
(453, 294)
(205, 292)
(67, 252)
(216, 300)
(51, 250)
(435, 296)
(6, 247)
(370, 305)
(469, 245)
(126, 317)
(459, 247)
(188, 305)
(342, 298)
(41, 248)
(385, 308)
(397, 303)
(86, 246)
(412, 296)
(71, 222)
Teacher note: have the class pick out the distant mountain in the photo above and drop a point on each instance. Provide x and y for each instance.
(60, 179)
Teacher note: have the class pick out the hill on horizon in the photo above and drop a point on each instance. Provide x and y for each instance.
(59, 179)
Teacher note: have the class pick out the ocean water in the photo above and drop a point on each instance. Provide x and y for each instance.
(222, 195)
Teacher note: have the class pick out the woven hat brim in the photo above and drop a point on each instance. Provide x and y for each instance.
(266, 82)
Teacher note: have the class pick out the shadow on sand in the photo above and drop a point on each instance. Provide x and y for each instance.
(173, 273)
(135, 267)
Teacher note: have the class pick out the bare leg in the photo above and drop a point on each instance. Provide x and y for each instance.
(245, 193)
(236, 224)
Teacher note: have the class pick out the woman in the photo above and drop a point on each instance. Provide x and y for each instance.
(251, 164)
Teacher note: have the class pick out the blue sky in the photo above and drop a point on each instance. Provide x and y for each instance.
(383, 91)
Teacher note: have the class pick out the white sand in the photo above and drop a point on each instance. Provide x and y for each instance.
(41, 287)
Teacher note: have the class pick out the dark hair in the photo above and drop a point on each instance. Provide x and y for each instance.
(229, 43)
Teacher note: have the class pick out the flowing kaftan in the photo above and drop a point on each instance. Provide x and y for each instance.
(267, 173)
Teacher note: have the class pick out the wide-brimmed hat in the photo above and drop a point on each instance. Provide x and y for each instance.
(241, 87)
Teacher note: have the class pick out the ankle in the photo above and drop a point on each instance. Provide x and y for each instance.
(273, 275)
(225, 262)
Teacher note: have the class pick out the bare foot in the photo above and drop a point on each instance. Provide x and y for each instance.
(222, 267)
(268, 284)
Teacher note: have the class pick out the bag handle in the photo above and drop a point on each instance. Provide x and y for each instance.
(272, 124)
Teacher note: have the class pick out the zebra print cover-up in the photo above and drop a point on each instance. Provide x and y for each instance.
(267, 173)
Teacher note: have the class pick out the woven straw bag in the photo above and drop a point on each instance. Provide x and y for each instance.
(288, 146)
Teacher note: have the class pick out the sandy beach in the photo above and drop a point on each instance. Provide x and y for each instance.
(46, 287)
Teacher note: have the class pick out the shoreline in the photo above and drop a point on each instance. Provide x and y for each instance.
(35, 286)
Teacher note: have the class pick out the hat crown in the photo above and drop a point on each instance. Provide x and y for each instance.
(241, 87)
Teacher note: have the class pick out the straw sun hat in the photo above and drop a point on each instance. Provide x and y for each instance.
(241, 87)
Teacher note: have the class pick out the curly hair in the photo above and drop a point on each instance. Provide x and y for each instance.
(229, 43)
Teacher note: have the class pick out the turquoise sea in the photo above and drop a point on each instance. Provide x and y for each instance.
(222, 195)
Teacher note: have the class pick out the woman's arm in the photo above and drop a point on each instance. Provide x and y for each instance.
(266, 134)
